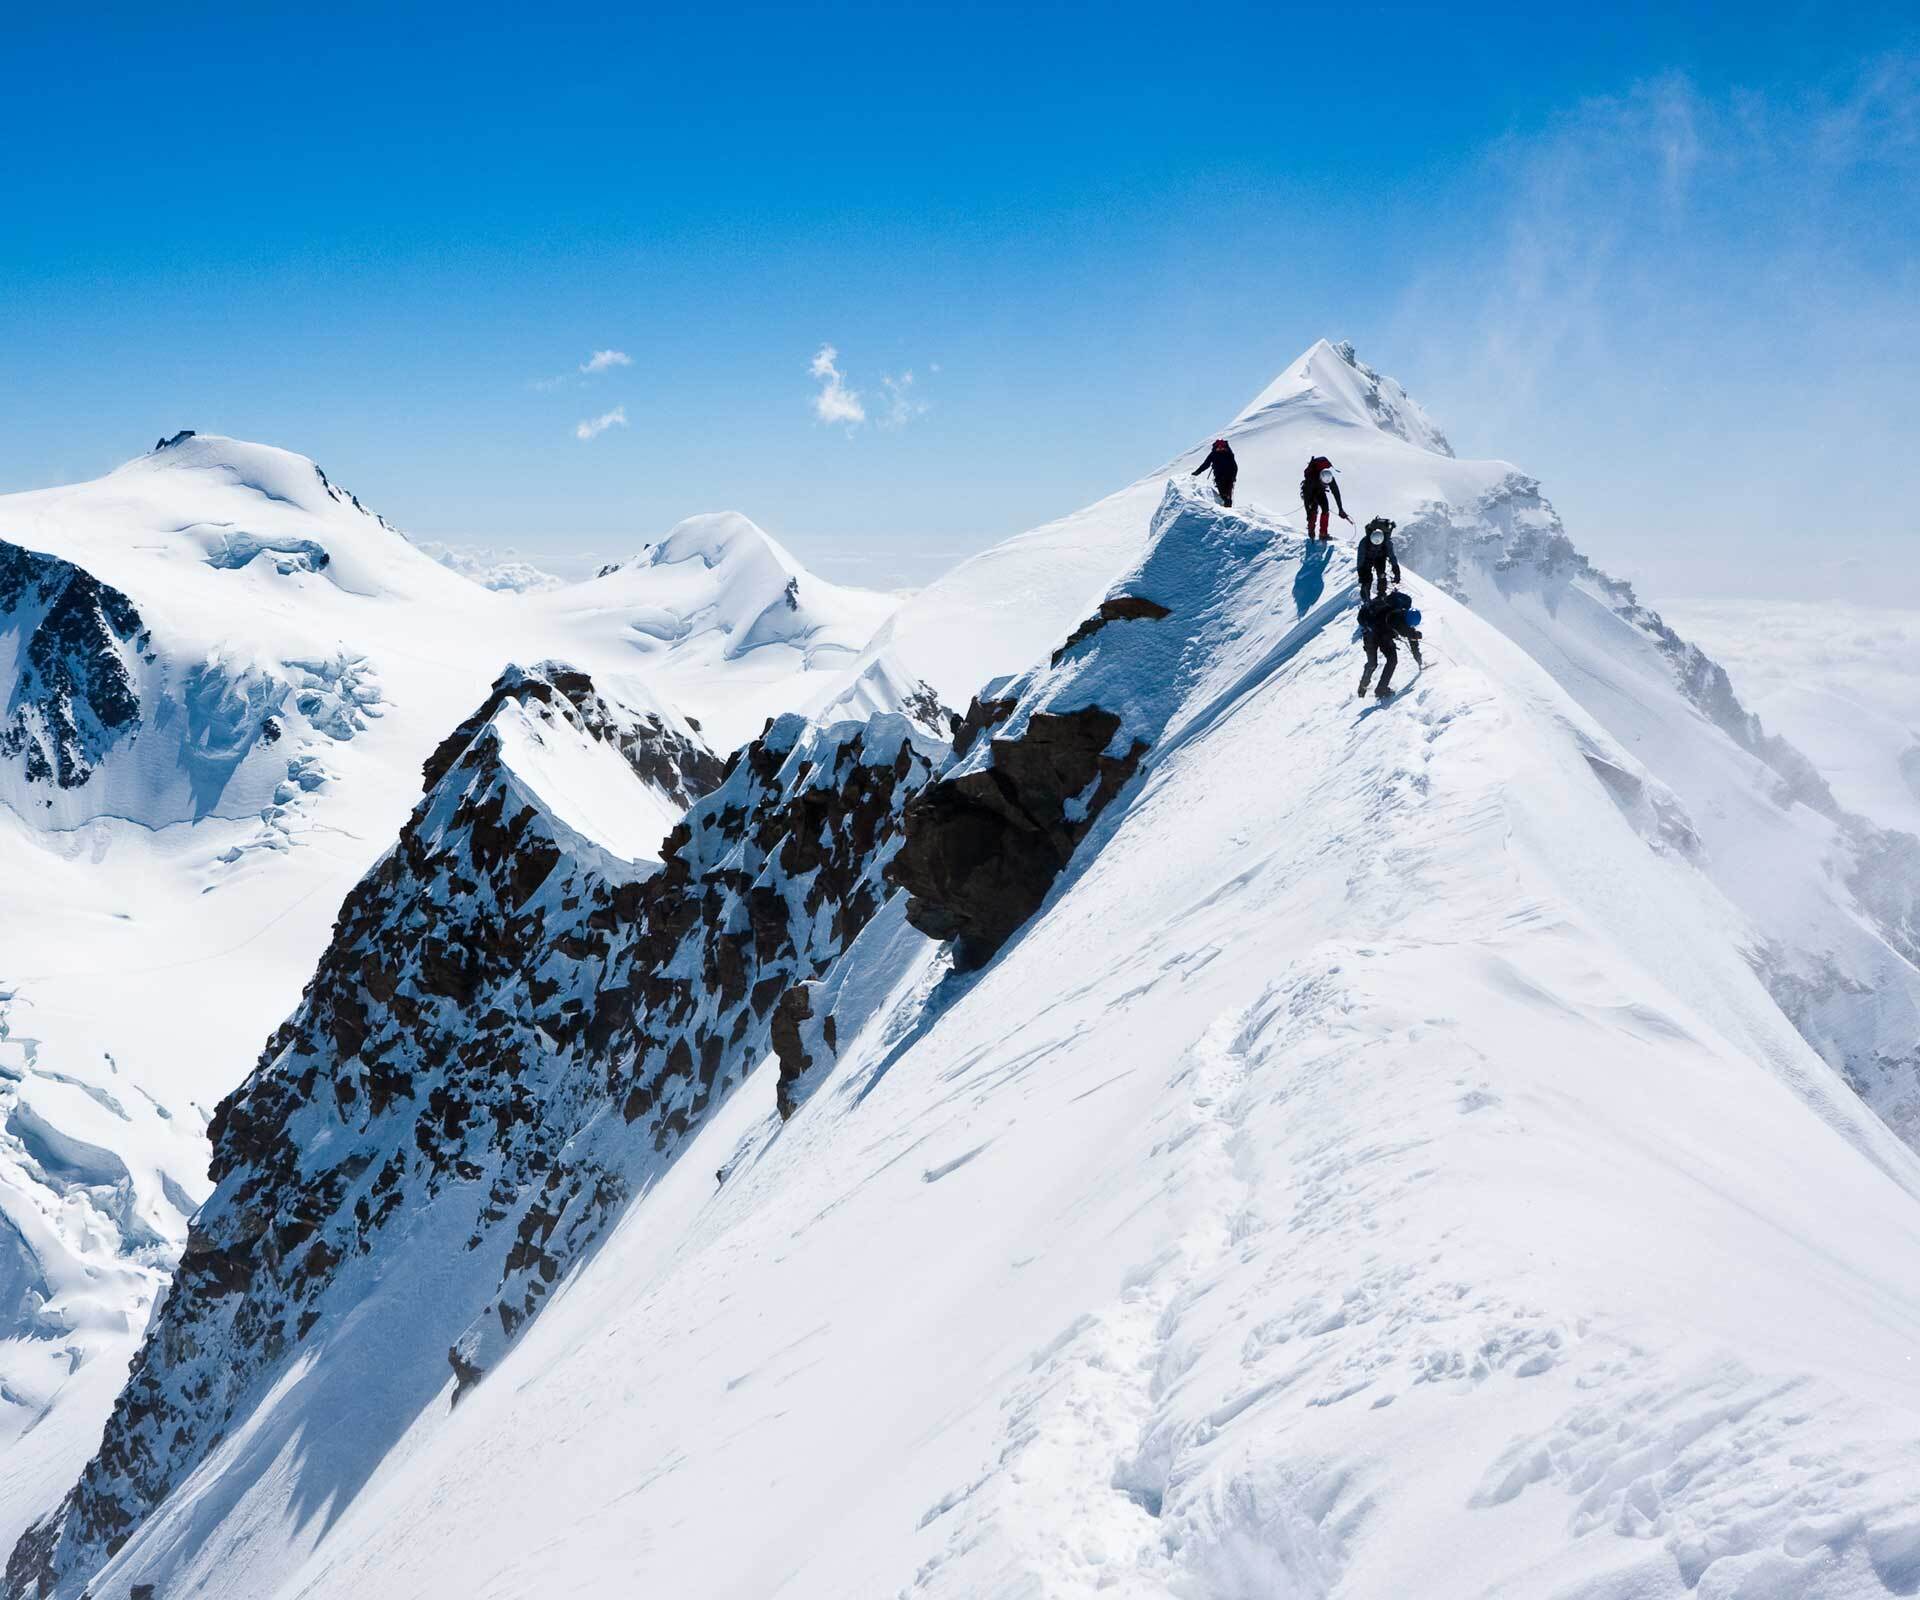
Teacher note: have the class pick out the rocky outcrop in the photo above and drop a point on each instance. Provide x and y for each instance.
(1119, 608)
(983, 847)
(508, 1038)
(791, 1013)
(80, 645)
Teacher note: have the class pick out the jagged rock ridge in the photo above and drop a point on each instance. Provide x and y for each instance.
(510, 1034)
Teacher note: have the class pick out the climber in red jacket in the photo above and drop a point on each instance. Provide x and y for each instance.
(1315, 484)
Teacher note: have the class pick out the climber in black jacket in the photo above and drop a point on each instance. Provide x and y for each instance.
(1376, 555)
(1225, 469)
(1381, 620)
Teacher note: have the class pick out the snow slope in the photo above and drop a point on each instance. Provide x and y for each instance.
(219, 678)
(1375, 1171)
(1830, 898)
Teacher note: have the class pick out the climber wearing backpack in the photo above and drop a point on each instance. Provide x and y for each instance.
(1381, 620)
(1315, 485)
(1376, 555)
(1225, 469)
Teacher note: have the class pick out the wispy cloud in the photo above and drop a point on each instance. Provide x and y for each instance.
(834, 401)
(903, 405)
(1653, 213)
(598, 362)
(490, 566)
(593, 427)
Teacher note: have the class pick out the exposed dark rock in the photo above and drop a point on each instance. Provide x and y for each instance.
(983, 715)
(983, 846)
(794, 1009)
(923, 704)
(1118, 608)
(168, 444)
(75, 697)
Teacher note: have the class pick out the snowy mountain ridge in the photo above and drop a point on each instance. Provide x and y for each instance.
(1164, 1254)
(1118, 1117)
(1830, 897)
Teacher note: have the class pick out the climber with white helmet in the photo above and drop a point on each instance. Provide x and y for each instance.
(1376, 555)
(1316, 483)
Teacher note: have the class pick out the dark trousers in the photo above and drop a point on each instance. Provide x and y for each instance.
(1376, 648)
(1224, 486)
(1315, 502)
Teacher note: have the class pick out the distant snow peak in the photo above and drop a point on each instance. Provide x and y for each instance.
(278, 476)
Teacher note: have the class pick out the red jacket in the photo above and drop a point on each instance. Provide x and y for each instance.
(1313, 492)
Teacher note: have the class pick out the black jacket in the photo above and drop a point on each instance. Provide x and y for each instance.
(1220, 458)
(1377, 555)
(1384, 616)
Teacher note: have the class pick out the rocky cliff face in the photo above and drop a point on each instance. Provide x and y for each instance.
(78, 646)
(985, 842)
(512, 1032)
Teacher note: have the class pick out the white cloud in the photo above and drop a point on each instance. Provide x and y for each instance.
(599, 361)
(903, 405)
(835, 402)
(593, 427)
(490, 567)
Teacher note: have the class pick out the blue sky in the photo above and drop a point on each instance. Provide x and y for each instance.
(1664, 259)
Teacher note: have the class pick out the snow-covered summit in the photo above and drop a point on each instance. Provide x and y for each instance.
(274, 474)
(1833, 902)
(1332, 387)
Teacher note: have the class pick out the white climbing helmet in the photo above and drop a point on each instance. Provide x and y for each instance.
(1378, 535)
(1326, 474)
